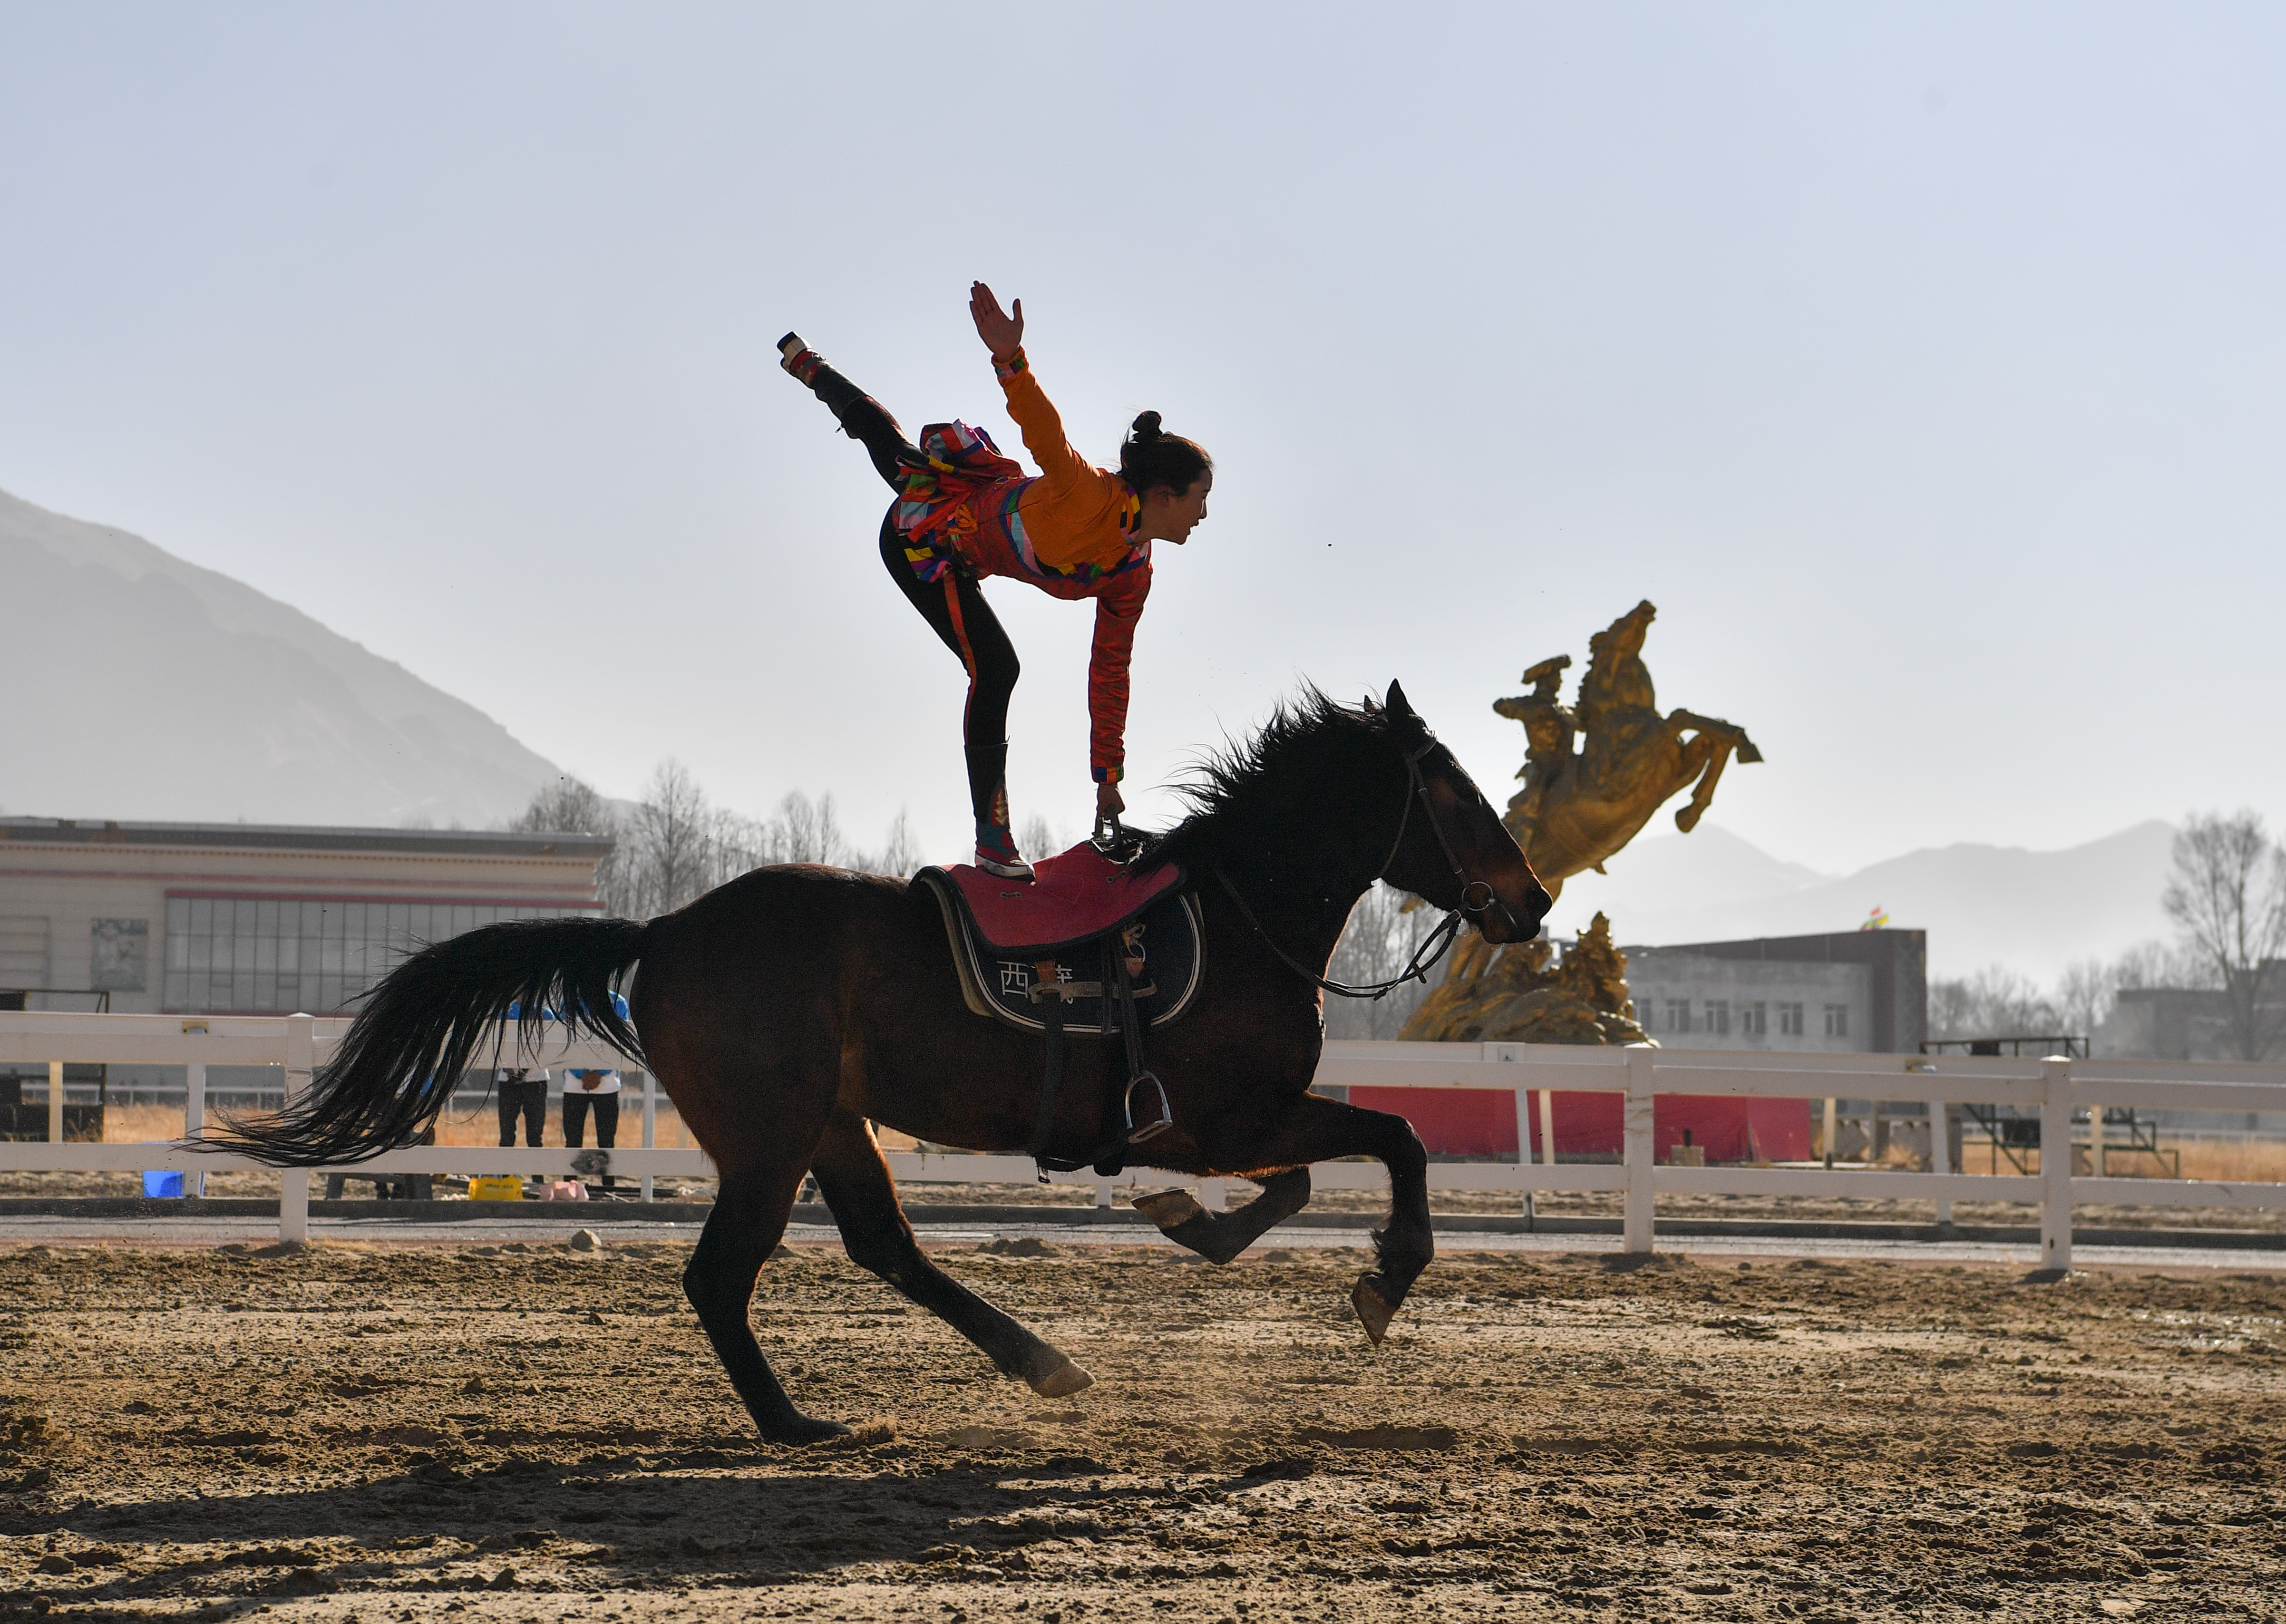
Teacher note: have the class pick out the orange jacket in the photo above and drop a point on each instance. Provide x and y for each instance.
(1074, 514)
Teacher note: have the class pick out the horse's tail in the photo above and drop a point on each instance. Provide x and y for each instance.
(421, 1025)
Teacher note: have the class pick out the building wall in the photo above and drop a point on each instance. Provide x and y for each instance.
(86, 905)
(1896, 962)
(1689, 1000)
(2178, 1023)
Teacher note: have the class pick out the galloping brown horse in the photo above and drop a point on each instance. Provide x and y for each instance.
(788, 1011)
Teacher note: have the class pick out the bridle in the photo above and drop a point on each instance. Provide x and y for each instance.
(1439, 941)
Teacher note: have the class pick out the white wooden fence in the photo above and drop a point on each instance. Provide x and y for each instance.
(1531, 1072)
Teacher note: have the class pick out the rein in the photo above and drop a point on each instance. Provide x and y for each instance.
(1435, 945)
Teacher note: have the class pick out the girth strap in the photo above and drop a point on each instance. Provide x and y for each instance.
(1109, 1158)
(1046, 990)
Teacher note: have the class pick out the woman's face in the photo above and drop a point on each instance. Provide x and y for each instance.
(1168, 515)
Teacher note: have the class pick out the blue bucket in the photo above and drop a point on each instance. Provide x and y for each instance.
(162, 1184)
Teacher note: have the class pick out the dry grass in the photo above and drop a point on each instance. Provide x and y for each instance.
(136, 1125)
(2229, 1161)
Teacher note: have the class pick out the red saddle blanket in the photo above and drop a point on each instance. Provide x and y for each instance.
(1071, 899)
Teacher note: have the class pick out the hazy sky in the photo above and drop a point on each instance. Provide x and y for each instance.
(1922, 363)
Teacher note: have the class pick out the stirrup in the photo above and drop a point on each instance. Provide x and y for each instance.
(1149, 1130)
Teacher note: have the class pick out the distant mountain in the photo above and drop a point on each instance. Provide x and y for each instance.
(146, 688)
(2033, 911)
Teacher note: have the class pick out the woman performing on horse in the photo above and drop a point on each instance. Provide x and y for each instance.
(963, 511)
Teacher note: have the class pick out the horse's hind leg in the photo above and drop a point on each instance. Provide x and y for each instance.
(857, 1188)
(1219, 1237)
(749, 1216)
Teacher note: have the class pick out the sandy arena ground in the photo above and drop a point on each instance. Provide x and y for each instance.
(513, 1433)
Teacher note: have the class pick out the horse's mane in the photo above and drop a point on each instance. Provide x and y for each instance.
(1235, 784)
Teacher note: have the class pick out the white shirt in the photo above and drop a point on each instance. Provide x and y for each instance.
(604, 1082)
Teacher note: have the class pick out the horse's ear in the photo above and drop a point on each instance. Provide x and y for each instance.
(1397, 702)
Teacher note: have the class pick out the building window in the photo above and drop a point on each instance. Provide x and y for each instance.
(276, 955)
(1754, 1019)
(23, 950)
(1678, 1014)
(1789, 1020)
(1837, 1020)
(1718, 1017)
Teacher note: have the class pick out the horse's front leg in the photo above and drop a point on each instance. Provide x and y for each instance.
(1220, 1236)
(1321, 1130)
(1702, 758)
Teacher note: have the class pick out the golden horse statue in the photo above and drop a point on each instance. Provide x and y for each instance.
(1576, 807)
(1580, 806)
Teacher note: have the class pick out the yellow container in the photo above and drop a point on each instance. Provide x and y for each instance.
(502, 1188)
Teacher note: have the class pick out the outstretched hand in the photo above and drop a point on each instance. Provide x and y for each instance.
(1002, 334)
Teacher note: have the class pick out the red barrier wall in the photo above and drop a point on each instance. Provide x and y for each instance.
(1473, 1122)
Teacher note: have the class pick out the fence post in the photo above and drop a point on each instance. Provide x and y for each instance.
(650, 1123)
(55, 1102)
(294, 1182)
(1941, 1153)
(194, 1108)
(1635, 1228)
(1547, 1127)
(1523, 1144)
(2056, 1165)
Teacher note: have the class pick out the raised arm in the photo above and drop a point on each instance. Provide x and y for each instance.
(1043, 428)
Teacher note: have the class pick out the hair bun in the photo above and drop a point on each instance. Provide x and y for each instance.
(1146, 427)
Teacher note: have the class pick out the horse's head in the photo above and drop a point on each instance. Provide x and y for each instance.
(1455, 853)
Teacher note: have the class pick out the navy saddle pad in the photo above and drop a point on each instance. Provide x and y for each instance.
(998, 982)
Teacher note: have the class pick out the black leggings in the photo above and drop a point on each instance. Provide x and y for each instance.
(954, 607)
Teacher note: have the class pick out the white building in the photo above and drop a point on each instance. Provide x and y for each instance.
(1857, 992)
(252, 919)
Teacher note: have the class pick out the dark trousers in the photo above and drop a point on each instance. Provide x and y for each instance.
(954, 607)
(529, 1099)
(576, 1103)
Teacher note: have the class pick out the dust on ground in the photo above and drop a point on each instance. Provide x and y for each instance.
(520, 1433)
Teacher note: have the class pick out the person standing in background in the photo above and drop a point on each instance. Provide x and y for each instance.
(598, 1090)
(522, 1091)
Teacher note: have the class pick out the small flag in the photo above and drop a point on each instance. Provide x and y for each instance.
(1877, 920)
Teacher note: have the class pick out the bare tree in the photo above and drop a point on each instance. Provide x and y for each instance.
(571, 806)
(900, 856)
(2227, 897)
(675, 845)
(1041, 839)
(1995, 1001)
(674, 837)
(1378, 944)
(809, 832)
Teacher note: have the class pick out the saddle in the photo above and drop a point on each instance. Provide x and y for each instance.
(1091, 947)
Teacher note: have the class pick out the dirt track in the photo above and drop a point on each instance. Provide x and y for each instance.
(522, 1435)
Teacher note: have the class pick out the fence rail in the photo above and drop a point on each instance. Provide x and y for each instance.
(2055, 1086)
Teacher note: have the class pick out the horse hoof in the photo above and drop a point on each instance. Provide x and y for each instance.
(1374, 1309)
(1169, 1208)
(1061, 1383)
(796, 1428)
